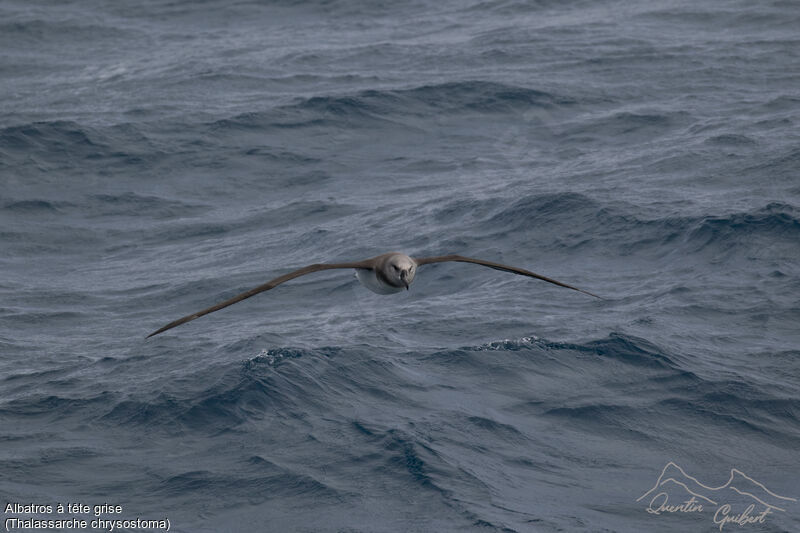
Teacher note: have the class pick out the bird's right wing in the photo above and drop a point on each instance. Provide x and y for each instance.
(261, 288)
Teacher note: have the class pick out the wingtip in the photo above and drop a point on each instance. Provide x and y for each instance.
(592, 294)
(156, 332)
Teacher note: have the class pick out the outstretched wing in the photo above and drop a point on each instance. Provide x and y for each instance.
(497, 266)
(261, 288)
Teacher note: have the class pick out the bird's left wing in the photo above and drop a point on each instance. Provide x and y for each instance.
(497, 266)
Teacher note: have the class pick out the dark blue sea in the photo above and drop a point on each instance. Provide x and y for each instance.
(160, 156)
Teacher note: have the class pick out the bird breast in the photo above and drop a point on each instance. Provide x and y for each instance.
(370, 280)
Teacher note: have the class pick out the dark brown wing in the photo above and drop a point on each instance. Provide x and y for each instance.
(261, 288)
(497, 266)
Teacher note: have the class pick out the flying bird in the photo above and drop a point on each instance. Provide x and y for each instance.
(384, 274)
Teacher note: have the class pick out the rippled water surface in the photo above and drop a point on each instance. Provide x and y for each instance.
(158, 157)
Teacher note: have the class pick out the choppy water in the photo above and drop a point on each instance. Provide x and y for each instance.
(157, 157)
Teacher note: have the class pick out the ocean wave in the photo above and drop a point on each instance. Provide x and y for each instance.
(132, 204)
(629, 349)
(605, 418)
(36, 206)
(181, 228)
(66, 145)
(263, 479)
(702, 16)
(412, 463)
(731, 139)
(379, 107)
(775, 221)
(244, 391)
(571, 220)
(625, 128)
(271, 382)
(58, 135)
(543, 208)
(53, 406)
(516, 7)
(214, 410)
(481, 96)
(42, 31)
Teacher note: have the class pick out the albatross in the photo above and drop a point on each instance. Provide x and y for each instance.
(384, 274)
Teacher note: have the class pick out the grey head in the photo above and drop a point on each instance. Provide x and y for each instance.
(395, 269)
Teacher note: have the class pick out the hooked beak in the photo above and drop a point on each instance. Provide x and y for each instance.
(403, 278)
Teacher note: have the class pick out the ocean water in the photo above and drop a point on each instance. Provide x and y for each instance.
(157, 157)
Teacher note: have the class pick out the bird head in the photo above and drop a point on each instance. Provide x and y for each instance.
(400, 270)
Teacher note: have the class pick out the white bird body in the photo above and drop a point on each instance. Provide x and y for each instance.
(391, 273)
(369, 279)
